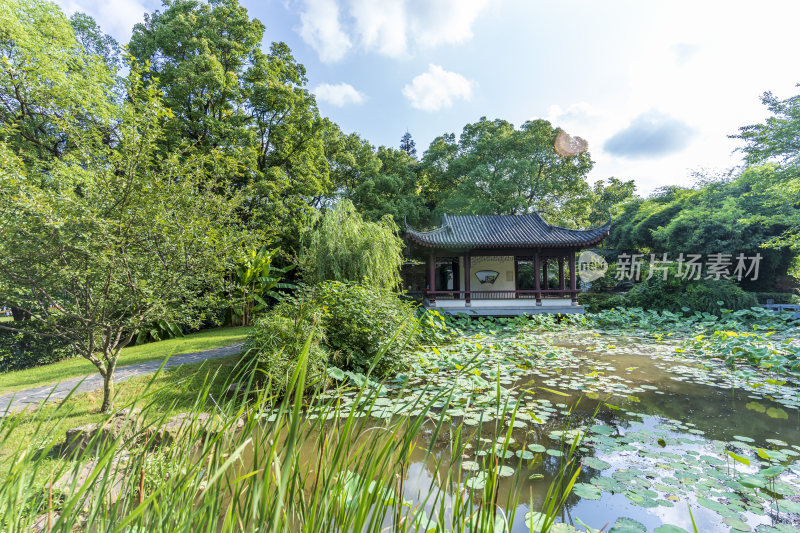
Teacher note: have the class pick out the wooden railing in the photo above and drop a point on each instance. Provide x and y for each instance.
(502, 295)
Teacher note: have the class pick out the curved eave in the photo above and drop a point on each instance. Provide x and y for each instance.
(433, 238)
(418, 237)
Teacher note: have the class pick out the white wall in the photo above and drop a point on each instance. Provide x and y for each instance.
(502, 264)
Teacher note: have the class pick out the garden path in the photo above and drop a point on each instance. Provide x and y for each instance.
(19, 400)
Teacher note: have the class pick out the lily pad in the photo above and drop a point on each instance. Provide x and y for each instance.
(586, 491)
(627, 525)
(597, 464)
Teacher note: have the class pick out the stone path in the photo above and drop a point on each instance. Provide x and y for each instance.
(16, 401)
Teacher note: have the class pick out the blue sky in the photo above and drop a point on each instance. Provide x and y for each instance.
(655, 87)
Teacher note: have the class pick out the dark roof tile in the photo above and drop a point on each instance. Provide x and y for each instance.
(459, 231)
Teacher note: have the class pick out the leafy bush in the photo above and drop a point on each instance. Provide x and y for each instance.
(434, 328)
(596, 302)
(361, 321)
(279, 337)
(26, 350)
(676, 293)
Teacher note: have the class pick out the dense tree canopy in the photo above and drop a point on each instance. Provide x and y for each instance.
(49, 83)
(228, 95)
(777, 141)
(494, 168)
(730, 216)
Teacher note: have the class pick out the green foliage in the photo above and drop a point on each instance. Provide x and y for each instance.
(608, 197)
(434, 328)
(278, 339)
(341, 246)
(494, 168)
(362, 322)
(158, 330)
(51, 85)
(778, 138)
(28, 347)
(255, 280)
(729, 215)
(119, 236)
(675, 293)
(777, 297)
(94, 41)
(228, 95)
(754, 348)
(691, 322)
(595, 302)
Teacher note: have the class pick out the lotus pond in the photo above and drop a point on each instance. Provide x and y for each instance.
(668, 438)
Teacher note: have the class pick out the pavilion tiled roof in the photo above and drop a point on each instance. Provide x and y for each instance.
(496, 231)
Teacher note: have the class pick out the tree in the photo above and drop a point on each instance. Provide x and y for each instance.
(778, 138)
(775, 144)
(121, 237)
(226, 94)
(393, 189)
(731, 215)
(497, 169)
(49, 83)
(608, 197)
(47, 76)
(95, 42)
(408, 145)
(341, 246)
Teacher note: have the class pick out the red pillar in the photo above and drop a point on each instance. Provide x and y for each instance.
(573, 278)
(545, 274)
(537, 282)
(467, 265)
(432, 276)
(561, 280)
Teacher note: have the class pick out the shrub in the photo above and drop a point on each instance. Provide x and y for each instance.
(279, 337)
(26, 350)
(675, 293)
(360, 321)
(596, 302)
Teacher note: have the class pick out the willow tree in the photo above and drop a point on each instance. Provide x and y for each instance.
(341, 246)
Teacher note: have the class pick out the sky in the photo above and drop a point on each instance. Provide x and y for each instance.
(655, 87)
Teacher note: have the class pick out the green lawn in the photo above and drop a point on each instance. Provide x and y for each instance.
(160, 396)
(79, 367)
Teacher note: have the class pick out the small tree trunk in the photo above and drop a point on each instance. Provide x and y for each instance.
(19, 314)
(108, 389)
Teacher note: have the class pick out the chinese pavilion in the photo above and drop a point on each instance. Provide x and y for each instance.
(501, 264)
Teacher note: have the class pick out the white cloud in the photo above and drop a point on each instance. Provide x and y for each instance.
(338, 95)
(393, 28)
(437, 88)
(381, 27)
(321, 30)
(440, 22)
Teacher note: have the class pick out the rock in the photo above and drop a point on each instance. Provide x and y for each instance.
(96, 435)
(190, 426)
(109, 482)
(234, 390)
(194, 427)
(41, 522)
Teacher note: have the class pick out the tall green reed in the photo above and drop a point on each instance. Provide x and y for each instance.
(268, 463)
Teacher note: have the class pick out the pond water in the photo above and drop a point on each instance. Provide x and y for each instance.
(662, 432)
